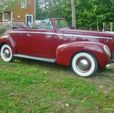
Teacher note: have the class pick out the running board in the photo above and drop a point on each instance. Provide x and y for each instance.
(35, 58)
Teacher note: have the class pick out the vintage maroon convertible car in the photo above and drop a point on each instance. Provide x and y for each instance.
(52, 40)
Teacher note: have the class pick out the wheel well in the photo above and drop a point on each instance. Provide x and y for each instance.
(2, 44)
(89, 52)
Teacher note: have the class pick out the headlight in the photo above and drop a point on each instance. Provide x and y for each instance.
(107, 50)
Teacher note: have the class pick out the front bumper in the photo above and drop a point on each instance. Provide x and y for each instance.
(112, 59)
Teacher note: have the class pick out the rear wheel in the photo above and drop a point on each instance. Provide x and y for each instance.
(84, 64)
(6, 53)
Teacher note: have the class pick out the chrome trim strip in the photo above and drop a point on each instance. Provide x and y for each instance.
(59, 34)
(86, 36)
(35, 58)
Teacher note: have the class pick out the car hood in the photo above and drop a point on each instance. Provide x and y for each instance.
(107, 35)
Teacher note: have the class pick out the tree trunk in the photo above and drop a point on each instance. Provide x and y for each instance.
(73, 5)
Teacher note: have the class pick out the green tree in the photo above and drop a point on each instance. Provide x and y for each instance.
(7, 4)
(89, 13)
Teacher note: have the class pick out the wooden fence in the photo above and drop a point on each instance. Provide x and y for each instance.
(106, 27)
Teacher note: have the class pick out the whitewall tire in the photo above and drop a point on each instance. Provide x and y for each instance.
(6, 53)
(84, 64)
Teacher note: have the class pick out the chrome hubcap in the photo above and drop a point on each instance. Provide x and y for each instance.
(6, 53)
(83, 65)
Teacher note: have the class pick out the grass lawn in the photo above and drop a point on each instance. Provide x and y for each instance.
(36, 87)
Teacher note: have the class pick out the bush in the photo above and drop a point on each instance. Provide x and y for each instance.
(2, 29)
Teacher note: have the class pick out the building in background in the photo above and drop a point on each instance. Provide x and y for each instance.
(25, 12)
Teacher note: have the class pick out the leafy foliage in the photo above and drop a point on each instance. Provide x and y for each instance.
(2, 29)
(89, 13)
(7, 4)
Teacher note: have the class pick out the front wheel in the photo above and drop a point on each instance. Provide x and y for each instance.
(6, 53)
(84, 64)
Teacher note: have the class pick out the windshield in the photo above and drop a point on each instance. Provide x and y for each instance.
(61, 23)
(42, 24)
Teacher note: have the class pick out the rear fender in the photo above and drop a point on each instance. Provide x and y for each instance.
(7, 39)
(65, 52)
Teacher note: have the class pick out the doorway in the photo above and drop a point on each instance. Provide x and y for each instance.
(29, 20)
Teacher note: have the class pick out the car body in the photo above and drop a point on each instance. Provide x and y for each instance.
(52, 40)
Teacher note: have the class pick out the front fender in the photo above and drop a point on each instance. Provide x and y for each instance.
(65, 52)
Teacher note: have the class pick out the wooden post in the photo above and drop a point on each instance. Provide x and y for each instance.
(73, 5)
(111, 26)
(104, 26)
(97, 27)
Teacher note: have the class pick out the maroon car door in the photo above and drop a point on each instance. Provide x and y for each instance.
(33, 42)
(40, 43)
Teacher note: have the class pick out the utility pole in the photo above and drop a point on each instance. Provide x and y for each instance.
(73, 5)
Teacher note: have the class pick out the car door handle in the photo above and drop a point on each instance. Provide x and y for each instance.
(29, 35)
